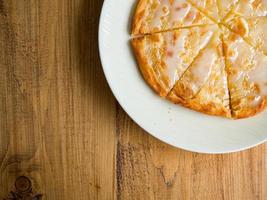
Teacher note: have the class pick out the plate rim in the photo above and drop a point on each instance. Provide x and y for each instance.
(124, 107)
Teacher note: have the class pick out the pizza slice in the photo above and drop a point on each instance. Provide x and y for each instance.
(247, 76)
(253, 30)
(163, 57)
(160, 15)
(203, 87)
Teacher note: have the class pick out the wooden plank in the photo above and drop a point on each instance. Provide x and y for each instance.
(58, 121)
(57, 113)
(150, 169)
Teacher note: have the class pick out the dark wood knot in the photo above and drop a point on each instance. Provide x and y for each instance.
(23, 190)
(23, 184)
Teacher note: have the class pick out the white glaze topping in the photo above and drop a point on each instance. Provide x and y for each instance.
(175, 48)
(250, 8)
(205, 39)
(226, 5)
(202, 68)
(171, 13)
(161, 11)
(173, 59)
(258, 35)
(259, 74)
(179, 11)
(250, 70)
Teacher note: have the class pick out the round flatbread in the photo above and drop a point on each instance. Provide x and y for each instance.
(207, 55)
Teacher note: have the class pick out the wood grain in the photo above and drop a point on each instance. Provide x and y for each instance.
(55, 100)
(61, 128)
(149, 169)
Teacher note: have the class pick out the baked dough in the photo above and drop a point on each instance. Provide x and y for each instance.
(209, 7)
(159, 15)
(251, 8)
(247, 76)
(203, 87)
(226, 7)
(253, 30)
(215, 9)
(207, 55)
(163, 57)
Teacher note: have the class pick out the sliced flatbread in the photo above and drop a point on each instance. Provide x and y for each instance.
(203, 87)
(163, 57)
(160, 15)
(251, 8)
(215, 9)
(209, 7)
(247, 76)
(226, 7)
(253, 30)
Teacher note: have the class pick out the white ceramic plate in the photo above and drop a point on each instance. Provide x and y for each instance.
(170, 123)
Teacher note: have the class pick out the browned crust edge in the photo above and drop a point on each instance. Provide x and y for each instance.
(137, 19)
(250, 111)
(203, 108)
(146, 70)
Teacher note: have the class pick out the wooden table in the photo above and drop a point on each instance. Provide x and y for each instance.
(63, 135)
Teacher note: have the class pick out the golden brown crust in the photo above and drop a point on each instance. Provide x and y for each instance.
(148, 73)
(197, 104)
(249, 111)
(139, 14)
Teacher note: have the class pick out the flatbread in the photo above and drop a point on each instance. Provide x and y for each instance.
(209, 7)
(163, 57)
(253, 30)
(215, 9)
(207, 55)
(203, 87)
(247, 76)
(160, 15)
(251, 8)
(226, 7)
